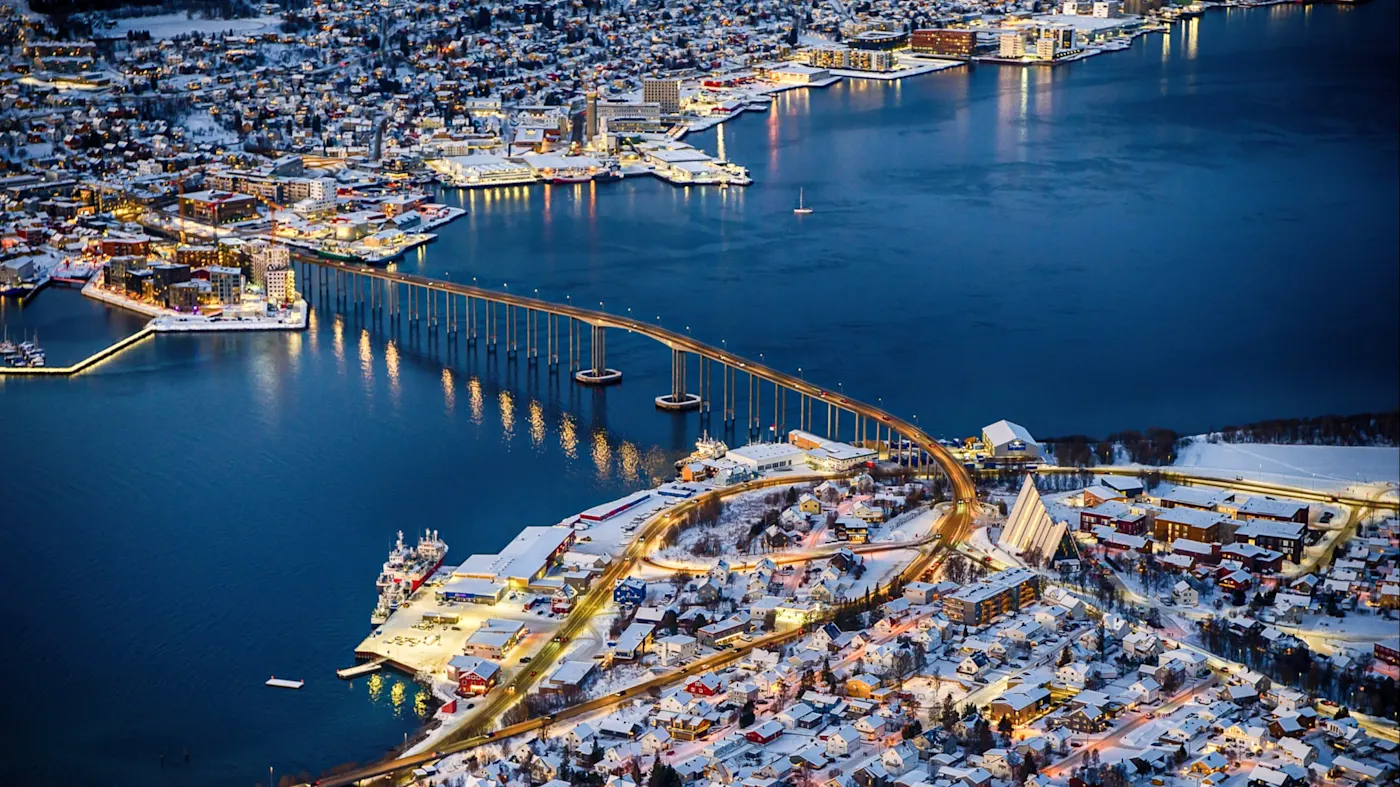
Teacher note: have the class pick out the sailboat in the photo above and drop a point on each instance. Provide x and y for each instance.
(801, 209)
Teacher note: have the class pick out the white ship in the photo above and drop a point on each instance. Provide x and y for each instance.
(705, 448)
(405, 571)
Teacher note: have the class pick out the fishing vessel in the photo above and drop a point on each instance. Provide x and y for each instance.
(705, 448)
(405, 571)
(801, 209)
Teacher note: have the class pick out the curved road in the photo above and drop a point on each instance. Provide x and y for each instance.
(953, 527)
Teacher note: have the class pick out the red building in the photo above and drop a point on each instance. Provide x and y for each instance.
(1254, 558)
(707, 685)
(474, 676)
(767, 732)
(139, 246)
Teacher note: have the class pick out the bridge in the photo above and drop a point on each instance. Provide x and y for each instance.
(546, 332)
(552, 334)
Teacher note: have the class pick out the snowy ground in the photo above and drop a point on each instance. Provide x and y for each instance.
(171, 25)
(1314, 466)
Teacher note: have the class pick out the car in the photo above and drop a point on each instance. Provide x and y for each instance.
(884, 418)
(490, 735)
(622, 693)
(1076, 744)
(526, 659)
(533, 673)
(471, 705)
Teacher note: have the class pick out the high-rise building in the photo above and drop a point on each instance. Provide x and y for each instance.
(263, 255)
(590, 114)
(1012, 44)
(665, 92)
(1045, 48)
(226, 284)
(280, 284)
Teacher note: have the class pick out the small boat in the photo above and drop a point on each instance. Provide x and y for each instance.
(282, 683)
(568, 179)
(801, 209)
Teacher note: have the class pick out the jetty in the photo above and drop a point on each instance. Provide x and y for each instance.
(361, 669)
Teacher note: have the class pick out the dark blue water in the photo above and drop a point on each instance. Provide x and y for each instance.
(1194, 232)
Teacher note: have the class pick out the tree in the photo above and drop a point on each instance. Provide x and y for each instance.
(746, 715)
(911, 730)
(1065, 658)
(1005, 727)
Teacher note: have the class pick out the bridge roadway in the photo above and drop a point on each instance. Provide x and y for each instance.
(954, 527)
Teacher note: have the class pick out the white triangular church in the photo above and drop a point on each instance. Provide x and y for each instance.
(1030, 529)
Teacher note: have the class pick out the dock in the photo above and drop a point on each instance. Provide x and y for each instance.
(282, 683)
(350, 673)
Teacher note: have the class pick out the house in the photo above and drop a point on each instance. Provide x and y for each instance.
(633, 641)
(919, 593)
(764, 733)
(1214, 762)
(1147, 689)
(974, 665)
(809, 504)
(862, 686)
(1142, 645)
(473, 675)
(707, 685)
(843, 741)
(675, 649)
(1075, 674)
(1020, 704)
(630, 591)
(1088, 719)
(1297, 752)
(1183, 595)
(900, 759)
(999, 763)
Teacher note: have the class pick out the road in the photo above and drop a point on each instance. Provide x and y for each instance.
(954, 526)
(1112, 739)
(1179, 476)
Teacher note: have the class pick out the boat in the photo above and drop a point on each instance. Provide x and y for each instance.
(609, 175)
(801, 209)
(282, 683)
(705, 448)
(405, 571)
(569, 179)
(413, 566)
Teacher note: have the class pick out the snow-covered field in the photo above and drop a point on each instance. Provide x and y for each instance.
(171, 25)
(1307, 465)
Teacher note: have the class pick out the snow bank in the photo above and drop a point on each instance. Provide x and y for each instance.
(1314, 464)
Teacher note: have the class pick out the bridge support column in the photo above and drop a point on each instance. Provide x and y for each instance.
(551, 326)
(511, 341)
(678, 399)
(490, 327)
(599, 373)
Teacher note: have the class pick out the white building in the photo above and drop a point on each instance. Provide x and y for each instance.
(1005, 439)
(280, 284)
(762, 457)
(1012, 44)
(1030, 530)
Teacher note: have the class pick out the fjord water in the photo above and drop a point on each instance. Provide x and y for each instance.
(1197, 231)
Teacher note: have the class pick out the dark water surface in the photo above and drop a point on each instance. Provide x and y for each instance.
(1197, 231)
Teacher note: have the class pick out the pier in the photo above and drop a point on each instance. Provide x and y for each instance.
(350, 673)
(100, 355)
